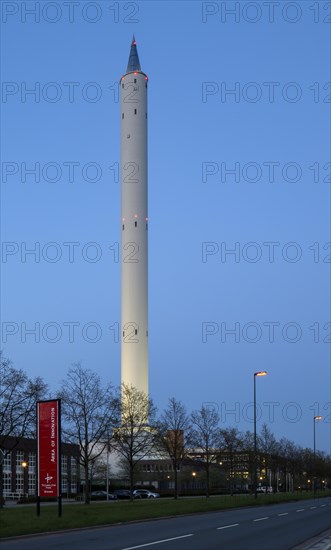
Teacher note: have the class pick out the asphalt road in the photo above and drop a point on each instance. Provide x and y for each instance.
(274, 527)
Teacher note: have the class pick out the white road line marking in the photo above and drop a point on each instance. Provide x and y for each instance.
(283, 514)
(323, 505)
(227, 526)
(261, 519)
(300, 510)
(158, 542)
(313, 507)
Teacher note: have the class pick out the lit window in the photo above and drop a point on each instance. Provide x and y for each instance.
(19, 483)
(6, 484)
(19, 460)
(7, 462)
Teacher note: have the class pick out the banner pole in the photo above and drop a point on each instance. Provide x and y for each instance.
(59, 461)
(37, 459)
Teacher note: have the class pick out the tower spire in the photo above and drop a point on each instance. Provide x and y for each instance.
(133, 63)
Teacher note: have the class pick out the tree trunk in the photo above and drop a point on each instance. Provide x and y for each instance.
(207, 480)
(87, 484)
(1, 485)
(176, 483)
(131, 482)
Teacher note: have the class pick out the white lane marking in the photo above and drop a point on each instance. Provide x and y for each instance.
(227, 526)
(158, 542)
(300, 510)
(313, 507)
(283, 514)
(323, 505)
(261, 519)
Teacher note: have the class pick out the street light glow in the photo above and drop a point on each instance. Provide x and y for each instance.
(318, 417)
(261, 373)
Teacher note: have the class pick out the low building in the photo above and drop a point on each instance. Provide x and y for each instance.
(19, 468)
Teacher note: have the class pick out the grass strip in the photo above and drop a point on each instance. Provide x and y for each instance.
(22, 520)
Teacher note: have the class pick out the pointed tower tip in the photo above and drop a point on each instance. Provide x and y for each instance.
(133, 63)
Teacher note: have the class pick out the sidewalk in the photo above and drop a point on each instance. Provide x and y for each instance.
(321, 542)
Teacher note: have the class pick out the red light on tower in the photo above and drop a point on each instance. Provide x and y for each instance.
(136, 216)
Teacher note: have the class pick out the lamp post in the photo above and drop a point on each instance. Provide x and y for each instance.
(25, 465)
(260, 373)
(314, 459)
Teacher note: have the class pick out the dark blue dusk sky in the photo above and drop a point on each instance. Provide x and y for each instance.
(272, 211)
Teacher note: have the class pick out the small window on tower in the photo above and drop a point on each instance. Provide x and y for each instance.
(146, 115)
(135, 111)
(123, 333)
(122, 85)
(122, 115)
(136, 331)
(135, 223)
(135, 80)
(128, 136)
(145, 84)
(123, 227)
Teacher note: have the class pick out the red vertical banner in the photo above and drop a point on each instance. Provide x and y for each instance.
(48, 448)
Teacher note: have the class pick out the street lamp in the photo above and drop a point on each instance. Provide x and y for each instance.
(25, 465)
(260, 373)
(318, 417)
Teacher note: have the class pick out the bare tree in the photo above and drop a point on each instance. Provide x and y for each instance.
(89, 411)
(205, 436)
(135, 437)
(267, 445)
(18, 397)
(232, 443)
(174, 431)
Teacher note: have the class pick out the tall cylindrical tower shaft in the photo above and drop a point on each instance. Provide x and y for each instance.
(134, 249)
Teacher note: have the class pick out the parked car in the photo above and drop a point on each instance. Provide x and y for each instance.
(264, 490)
(144, 493)
(125, 493)
(102, 495)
